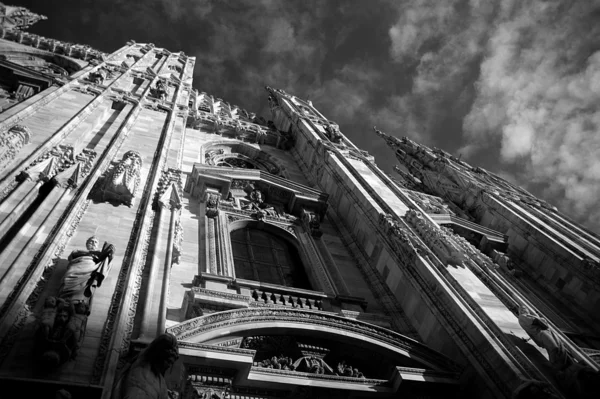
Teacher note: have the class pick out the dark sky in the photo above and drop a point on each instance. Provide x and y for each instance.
(513, 86)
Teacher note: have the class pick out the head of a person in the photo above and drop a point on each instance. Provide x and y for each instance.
(162, 353)
(92, 243)
(62, 316)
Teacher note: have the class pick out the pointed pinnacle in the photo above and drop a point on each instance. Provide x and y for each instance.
(170, 198)
(391, 141)
(42, 170)
(69, 177)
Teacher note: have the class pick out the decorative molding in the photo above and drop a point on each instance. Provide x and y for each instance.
(198, 326)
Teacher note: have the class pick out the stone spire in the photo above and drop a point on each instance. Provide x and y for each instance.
(18, 18)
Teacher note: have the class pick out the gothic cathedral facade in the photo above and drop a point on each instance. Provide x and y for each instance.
(284, 261)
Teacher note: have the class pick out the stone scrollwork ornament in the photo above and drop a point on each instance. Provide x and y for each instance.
(121, 182)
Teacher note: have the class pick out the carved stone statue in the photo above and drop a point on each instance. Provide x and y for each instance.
(580, 380)
(121, 183)
(346, 370)
(86, 271)
(63, 319)
(258, 204)
(143, 378)
(332, 132)
(160, 90)
(278, 362)
(55, 342)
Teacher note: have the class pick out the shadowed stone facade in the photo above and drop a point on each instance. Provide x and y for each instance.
(282, 259)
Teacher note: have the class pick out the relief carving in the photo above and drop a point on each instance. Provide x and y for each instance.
(120, 184)
(11, 142)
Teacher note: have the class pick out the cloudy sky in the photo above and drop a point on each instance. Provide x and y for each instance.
(512, 85)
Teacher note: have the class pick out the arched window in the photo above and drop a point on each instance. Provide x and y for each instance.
(262, 256)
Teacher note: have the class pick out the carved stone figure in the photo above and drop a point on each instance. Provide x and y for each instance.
(259, 205)
(55, 342)
(346, 370)
(143, 378)
(63, 319)
(212, 204)
(121, 183)
(332, 132)
(278, 362)
(578, 379)
(160, 90)
(86, 271)
(312, 364)
(98, 76)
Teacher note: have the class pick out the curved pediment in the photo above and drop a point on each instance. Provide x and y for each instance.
(263, 321)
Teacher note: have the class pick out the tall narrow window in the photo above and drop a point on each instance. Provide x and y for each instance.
(262, 256)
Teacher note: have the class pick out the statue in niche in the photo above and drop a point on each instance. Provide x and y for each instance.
(578, 379)
(86, 271)
(63, 318)
(143, 377)
(160, 90)
(121, 182)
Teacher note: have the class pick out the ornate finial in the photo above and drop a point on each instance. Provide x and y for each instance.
(390, 140)
(18, 18)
